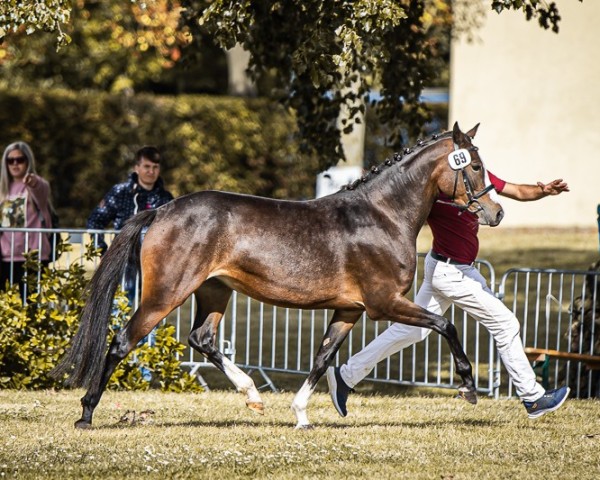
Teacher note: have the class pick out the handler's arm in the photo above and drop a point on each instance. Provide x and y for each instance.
(526, 193)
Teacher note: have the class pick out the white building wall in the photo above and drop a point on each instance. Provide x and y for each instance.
(537, 96)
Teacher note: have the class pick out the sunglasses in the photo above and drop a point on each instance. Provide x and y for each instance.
(16, 160)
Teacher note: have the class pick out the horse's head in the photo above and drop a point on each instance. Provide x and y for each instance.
(465, 180)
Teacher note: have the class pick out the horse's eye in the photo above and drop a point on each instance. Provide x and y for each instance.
(476, 167)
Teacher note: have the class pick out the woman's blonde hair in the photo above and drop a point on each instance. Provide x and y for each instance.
(5, 177)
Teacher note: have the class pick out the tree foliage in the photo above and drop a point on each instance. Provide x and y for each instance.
(318, 57)
(114, 45)
(48, 15)
(323, 56)
(546, 13)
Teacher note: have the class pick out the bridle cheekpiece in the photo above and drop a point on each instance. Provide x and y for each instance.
(459, 159)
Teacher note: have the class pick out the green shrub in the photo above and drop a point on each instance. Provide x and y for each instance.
(84, 143)
(161, 361)
(34, 336)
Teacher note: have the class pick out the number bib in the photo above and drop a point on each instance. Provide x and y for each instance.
(459, 159)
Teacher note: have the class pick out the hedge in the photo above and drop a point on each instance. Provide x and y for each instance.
(84, 143)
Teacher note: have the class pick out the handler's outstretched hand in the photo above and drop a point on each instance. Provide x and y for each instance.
(554, 187)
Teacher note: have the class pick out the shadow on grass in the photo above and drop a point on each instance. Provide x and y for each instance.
(447, 422)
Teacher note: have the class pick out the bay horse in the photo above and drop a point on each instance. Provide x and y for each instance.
(352, 251)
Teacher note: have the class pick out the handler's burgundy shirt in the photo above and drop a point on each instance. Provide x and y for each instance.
(454, 235)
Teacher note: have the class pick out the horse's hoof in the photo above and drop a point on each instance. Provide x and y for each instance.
(304, 427)
(468, 395)
(257, 407)
(83, 425)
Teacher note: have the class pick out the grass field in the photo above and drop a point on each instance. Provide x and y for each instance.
(213, 435)
(391, 431)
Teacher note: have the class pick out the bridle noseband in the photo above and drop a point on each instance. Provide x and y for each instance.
(473, 198)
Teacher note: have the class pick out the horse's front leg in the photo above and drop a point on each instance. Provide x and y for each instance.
(213, 297)
(337, 331)
(402, 310)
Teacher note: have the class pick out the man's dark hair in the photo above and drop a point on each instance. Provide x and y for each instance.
(149, 153)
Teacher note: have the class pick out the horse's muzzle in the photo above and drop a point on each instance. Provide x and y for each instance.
(490, 219)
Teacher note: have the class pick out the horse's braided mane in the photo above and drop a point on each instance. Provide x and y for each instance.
(398, 157)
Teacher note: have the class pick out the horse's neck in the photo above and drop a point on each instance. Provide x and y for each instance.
(408, 188)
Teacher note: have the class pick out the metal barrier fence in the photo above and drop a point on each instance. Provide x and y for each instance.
(78, 239)
(268, 339)
(558, 310)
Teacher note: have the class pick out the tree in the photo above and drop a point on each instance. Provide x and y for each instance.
(329, 54)
(322, 55)
(48, 15)
(114, 45)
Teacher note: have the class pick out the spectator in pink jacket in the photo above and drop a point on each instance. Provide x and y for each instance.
(24, 203)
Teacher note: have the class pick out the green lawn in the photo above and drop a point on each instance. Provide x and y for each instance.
(391, 431)
(213, 435)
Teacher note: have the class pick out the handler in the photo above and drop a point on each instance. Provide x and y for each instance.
(450, 277)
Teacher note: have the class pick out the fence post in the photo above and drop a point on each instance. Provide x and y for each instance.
(598, 226)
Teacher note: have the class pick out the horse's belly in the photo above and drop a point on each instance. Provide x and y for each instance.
(300, 293)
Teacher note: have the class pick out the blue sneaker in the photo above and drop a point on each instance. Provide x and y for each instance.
(550, 401)
(338, 390)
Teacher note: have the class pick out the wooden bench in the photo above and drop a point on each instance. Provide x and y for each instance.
(543, 356)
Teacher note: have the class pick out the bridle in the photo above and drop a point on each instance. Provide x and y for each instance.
(472, 196)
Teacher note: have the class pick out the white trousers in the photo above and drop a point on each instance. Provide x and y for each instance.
(464, 286)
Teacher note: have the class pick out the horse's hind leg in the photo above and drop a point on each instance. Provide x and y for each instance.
(159, 299)
(337, 331)
(125, 340)
(213, 297)
(405, 311)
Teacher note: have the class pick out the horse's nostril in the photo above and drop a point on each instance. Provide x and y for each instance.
(500, 216)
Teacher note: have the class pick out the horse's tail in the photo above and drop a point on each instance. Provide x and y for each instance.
(84, 361)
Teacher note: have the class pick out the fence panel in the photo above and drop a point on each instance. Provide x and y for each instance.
(271, 339)
(79, 239)
(558, 311)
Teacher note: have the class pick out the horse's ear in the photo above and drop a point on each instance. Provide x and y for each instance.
(457, 135)
(471, 133)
